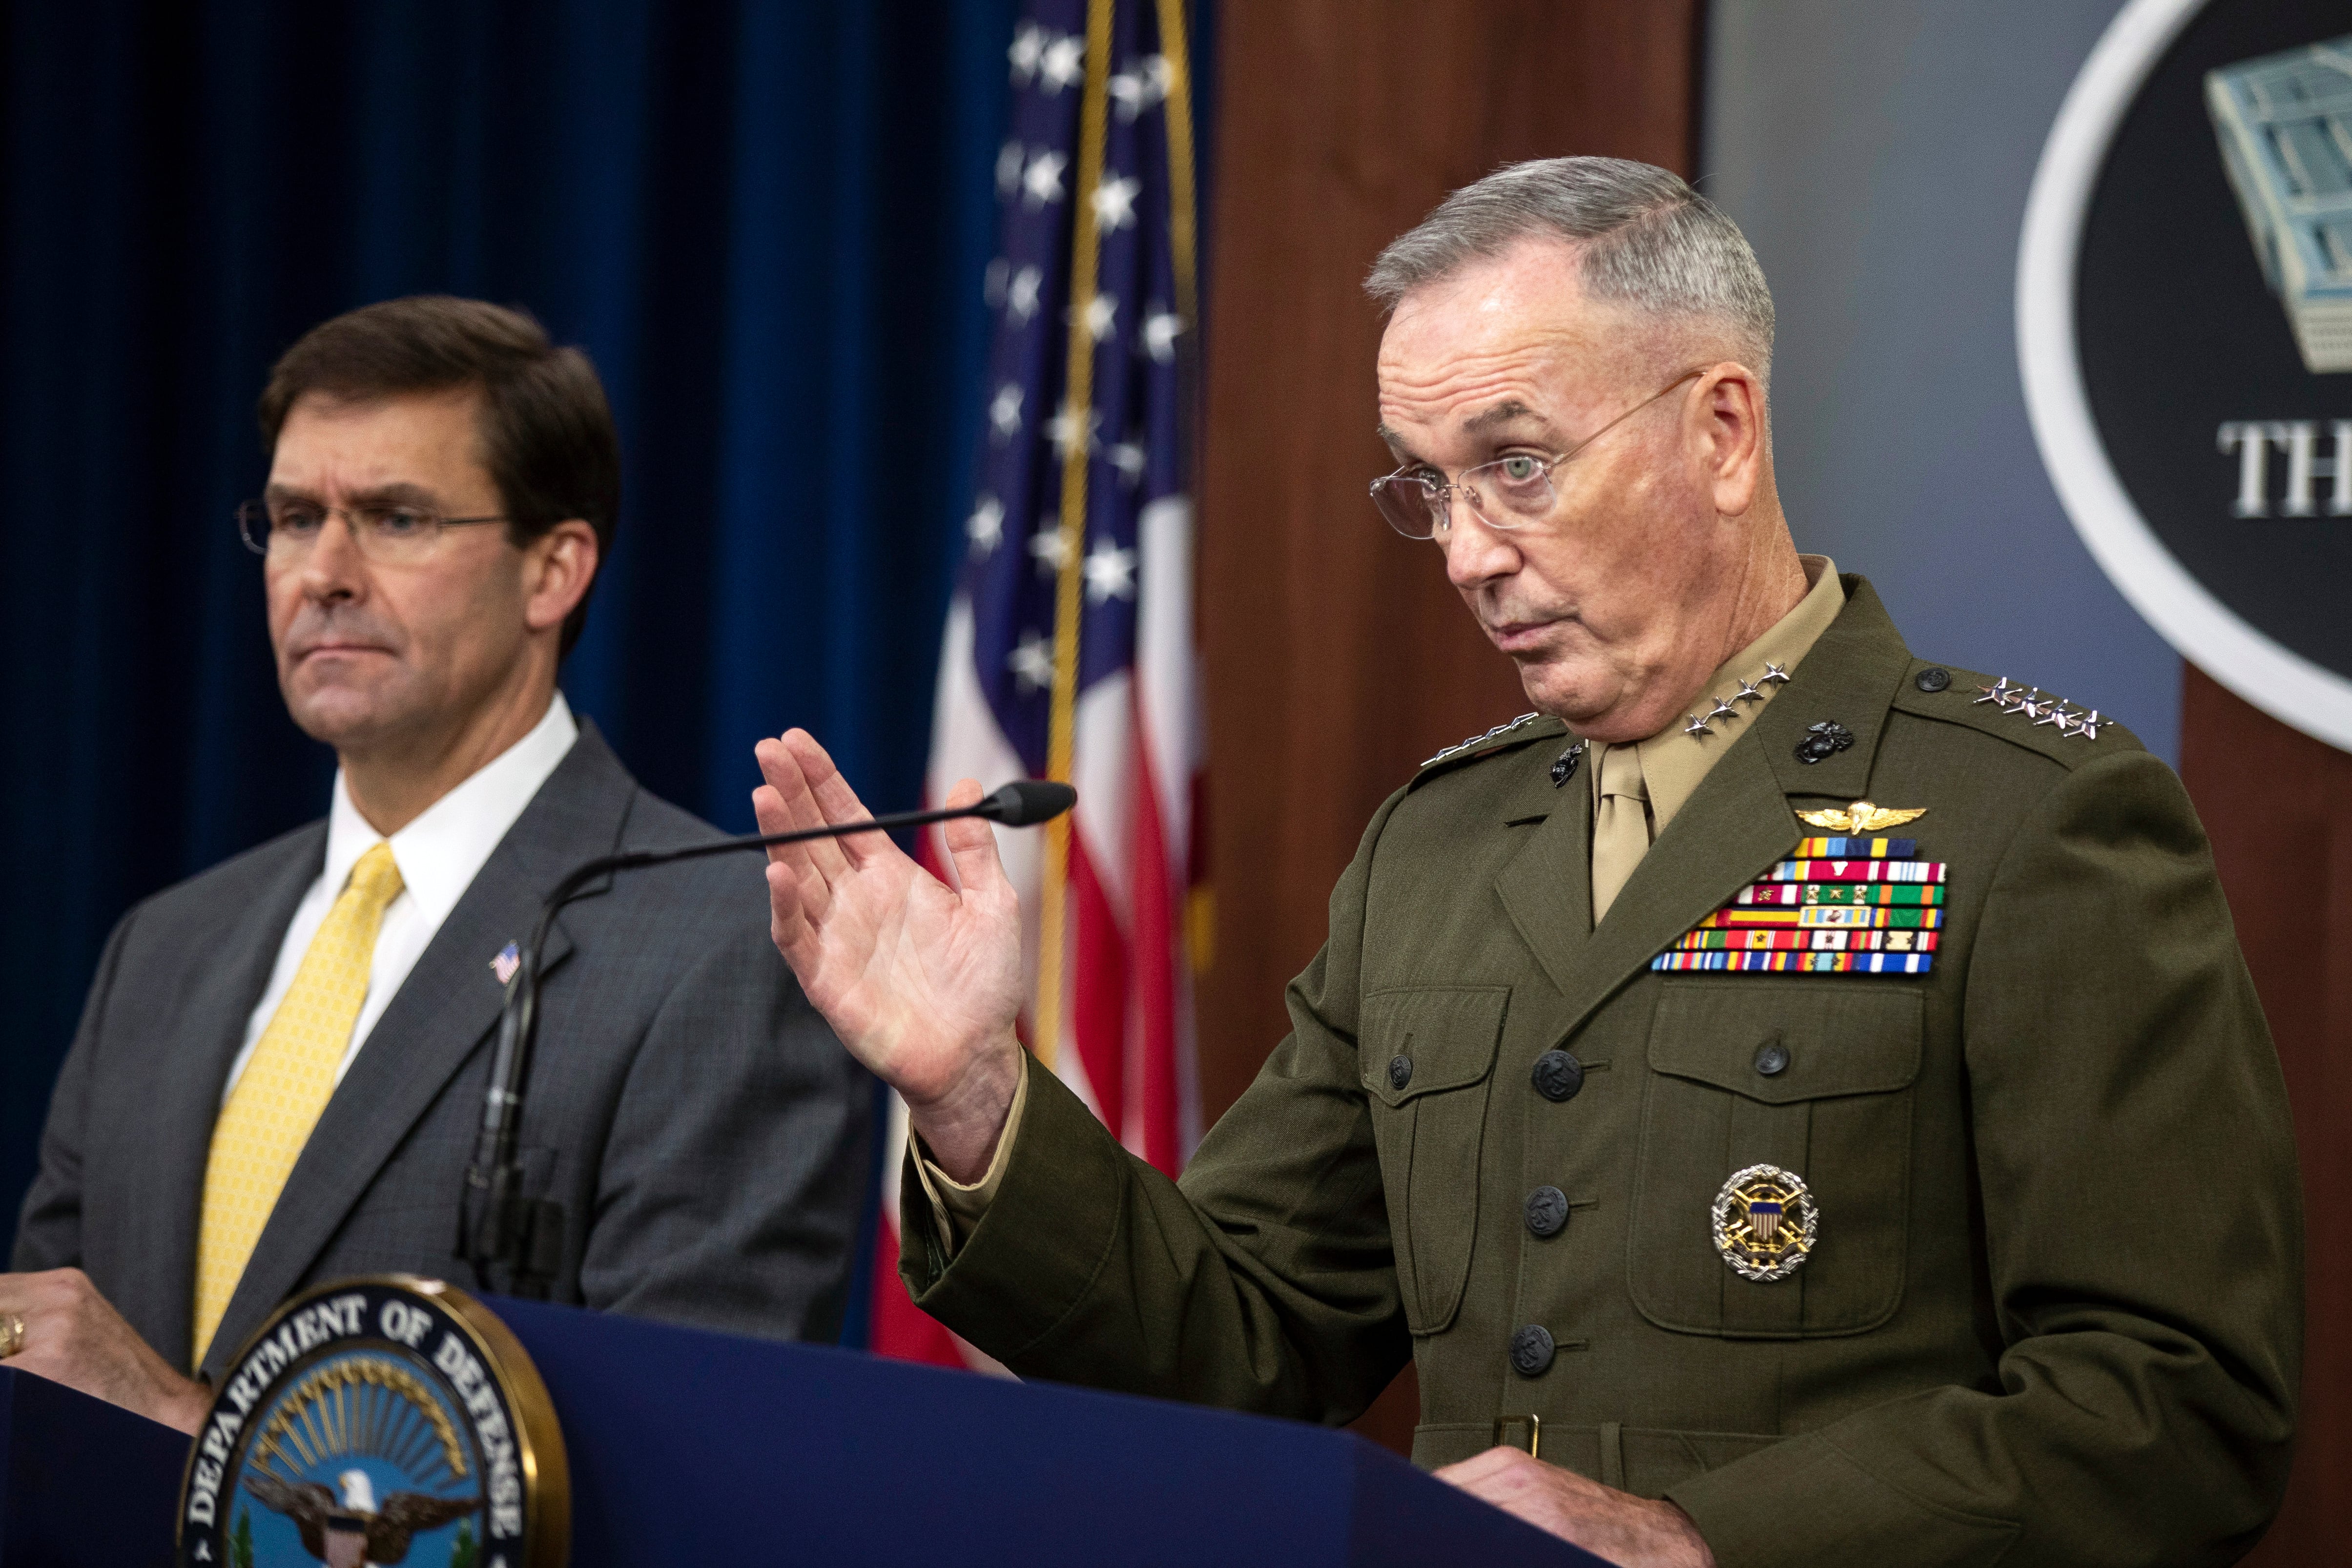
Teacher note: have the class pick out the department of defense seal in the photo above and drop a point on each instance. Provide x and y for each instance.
(1764, 1222)
(380, 1420)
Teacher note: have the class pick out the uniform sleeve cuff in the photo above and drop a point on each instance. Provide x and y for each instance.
(956, 1207)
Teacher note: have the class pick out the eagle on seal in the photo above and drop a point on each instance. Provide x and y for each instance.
(357, 1532)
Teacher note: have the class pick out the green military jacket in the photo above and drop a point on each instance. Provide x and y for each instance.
(2052, 1312)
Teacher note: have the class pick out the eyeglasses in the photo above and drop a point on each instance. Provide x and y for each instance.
(287, 530)
(1509, 493)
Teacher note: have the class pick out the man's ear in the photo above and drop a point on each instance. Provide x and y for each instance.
(1733, 403)
(556, 568)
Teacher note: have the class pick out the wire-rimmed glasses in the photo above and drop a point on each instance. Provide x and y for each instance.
(385, 534)
(1509, 493)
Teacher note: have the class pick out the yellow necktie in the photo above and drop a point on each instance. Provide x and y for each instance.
(1621, 825)
(285, 1084)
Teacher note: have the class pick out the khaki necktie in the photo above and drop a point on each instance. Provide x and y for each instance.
(285, 1084)
(1621, 825)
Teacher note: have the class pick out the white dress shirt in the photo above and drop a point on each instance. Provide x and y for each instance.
(439, 856)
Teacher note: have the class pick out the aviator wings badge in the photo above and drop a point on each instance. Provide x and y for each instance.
(1861, 819)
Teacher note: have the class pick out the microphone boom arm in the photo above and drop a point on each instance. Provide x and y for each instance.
(526, 1235)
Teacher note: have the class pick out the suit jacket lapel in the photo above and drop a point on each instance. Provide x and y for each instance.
(442, 1014)
(1736, 826)
(165, 1185)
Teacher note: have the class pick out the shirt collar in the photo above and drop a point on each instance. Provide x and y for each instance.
(1674, 762)
(440, 852)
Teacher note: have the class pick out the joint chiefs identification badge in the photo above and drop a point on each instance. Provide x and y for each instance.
(1764, 1222)
(378, 1420)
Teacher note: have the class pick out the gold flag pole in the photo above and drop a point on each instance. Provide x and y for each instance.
(1077, 442)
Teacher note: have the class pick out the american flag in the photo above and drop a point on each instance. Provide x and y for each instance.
(1069, 650)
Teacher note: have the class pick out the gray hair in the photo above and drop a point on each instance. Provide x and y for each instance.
(1644, 238)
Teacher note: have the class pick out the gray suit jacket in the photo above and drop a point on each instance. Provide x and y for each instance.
(705, 1133)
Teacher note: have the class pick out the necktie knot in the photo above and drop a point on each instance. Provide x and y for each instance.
(1620, 774)
(375, 879)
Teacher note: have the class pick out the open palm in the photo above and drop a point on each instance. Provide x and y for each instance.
(921, 980)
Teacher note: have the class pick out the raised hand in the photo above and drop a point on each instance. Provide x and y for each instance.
(921, 980)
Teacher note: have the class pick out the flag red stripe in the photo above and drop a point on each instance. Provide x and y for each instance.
(1159, 1105)
(1098, 976)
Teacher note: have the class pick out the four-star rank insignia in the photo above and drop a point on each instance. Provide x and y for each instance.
(1765, 1223)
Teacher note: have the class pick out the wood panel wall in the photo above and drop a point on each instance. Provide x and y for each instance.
(2278, 806)
(1338, 657)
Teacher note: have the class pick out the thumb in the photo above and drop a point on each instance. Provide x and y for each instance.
(973, 845)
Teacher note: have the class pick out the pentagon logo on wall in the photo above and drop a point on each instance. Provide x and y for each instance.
(2185, 336)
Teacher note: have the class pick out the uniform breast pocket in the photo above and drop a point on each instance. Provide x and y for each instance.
(1814, 1076)
(1428, 1059)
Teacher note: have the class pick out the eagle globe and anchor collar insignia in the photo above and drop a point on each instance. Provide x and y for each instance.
(375, 1421)
(1765, 1221)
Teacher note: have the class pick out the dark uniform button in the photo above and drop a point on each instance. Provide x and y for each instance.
(1400, 1071)
(1932, 680)
(1546, 1211)
(1531, 1350)
(1558, 1075)
(1772, 1058)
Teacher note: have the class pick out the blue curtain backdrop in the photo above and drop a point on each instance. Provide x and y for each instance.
(767, 223)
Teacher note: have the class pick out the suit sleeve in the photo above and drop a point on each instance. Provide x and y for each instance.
(1264, 1281)
(48, 1228)
(731, 1187)
(2142, 1230)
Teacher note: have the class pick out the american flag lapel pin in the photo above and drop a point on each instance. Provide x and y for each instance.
(509, 960)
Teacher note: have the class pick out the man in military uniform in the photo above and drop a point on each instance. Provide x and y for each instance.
(1750, 1184)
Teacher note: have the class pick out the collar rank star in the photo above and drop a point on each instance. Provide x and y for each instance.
(1855, 903)
(1765, 1222)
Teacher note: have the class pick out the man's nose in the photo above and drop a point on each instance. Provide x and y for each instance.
(1476, 553)
(334, 568)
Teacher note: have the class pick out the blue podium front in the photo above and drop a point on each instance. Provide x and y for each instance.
(699, 1448)
(694, 1447)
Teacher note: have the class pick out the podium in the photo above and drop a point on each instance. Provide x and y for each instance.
(689, 1447)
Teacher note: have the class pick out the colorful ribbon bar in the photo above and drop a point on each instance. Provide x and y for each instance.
(1856, 848)
(1845, 916)
(1857, 871)
(1816, 940)
(1791, 894)
(1799, 963)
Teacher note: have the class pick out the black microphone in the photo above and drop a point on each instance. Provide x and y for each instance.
(525, 1236)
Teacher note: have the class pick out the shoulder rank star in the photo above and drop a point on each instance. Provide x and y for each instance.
(1861, 819)
(1461, 746)
(2042, 709)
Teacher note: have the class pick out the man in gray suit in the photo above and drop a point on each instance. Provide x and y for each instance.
(281, 1064)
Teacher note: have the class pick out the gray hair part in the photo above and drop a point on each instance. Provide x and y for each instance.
(1644, 238)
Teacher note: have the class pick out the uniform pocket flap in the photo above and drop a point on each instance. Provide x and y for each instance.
(1807, 1039)
(1428, 1040)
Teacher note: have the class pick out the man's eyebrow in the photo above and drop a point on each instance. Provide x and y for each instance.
(1395, 442)
(396, 493)
(1503, 412)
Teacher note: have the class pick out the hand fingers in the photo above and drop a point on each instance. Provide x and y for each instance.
(972, 843)
(1481, 1466)
(833, 798)
(787, 773)
(788, 923)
